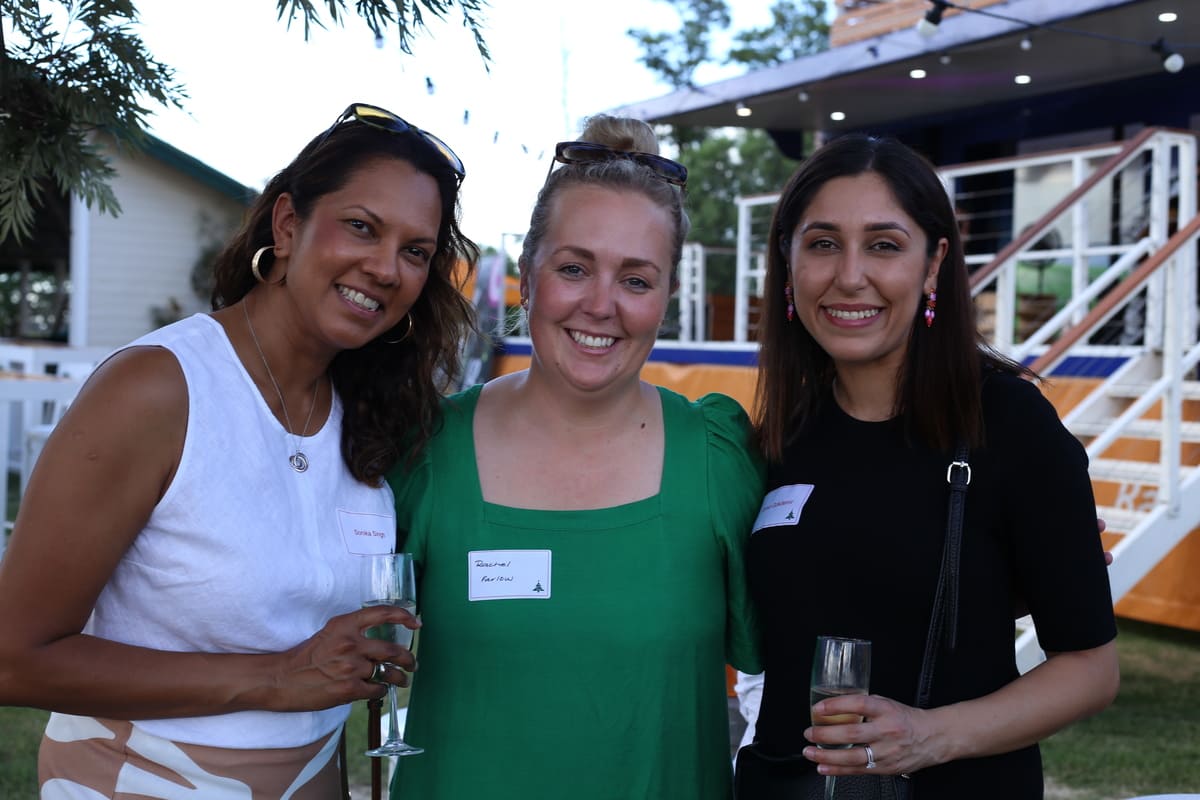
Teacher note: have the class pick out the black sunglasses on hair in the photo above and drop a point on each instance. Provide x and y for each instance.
(385, 120)
(587, 152)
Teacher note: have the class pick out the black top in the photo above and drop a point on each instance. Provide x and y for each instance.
(862, 557)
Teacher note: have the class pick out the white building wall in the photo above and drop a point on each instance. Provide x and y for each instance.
(144, 257)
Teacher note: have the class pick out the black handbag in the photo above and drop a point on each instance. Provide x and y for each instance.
(760, 776)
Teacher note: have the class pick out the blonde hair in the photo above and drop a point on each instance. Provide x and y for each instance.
(619, 133)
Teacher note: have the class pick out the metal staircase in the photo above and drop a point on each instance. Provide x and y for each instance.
(1142, 437)
(1123, 229)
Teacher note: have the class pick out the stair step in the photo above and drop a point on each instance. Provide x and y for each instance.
(1121, 520)
(1141, 429)
(1128, 471)
(1132, 391)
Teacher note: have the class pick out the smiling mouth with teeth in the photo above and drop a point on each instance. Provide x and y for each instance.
(839, 314)
(599, 342)
(359, 299)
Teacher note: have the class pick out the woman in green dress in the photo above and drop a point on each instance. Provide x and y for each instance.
(578, 532)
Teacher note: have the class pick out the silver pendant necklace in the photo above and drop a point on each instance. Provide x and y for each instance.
(298, 460)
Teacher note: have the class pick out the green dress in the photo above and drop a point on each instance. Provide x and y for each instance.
(580, 654)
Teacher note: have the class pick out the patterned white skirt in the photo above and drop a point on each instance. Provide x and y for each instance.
(86, 758)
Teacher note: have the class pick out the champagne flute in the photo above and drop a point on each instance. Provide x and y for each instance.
(388, 581)
(840, 666)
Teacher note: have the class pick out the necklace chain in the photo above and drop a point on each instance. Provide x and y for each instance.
(298, 460)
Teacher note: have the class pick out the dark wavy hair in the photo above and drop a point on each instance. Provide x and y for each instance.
(390, 393)
(938, 388)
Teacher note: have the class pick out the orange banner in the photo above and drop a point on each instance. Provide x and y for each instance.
(1168, 595)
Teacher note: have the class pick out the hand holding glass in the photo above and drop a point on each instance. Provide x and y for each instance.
(388, 581)
(840, 666)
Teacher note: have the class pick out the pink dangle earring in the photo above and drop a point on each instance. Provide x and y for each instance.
(930, 306)
(791, 306)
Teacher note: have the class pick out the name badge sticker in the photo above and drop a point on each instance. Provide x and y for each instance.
(782, 506)
(508, 575)
(367, 534)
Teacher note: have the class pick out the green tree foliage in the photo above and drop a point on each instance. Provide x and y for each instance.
(675, 56)
(58, 84)
(724, 164)
(730, 163)
(796, 29)
(80, 67)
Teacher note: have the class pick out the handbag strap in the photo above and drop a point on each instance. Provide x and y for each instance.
(943, 622)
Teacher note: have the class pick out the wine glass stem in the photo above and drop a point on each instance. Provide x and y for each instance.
(393, 719)
(829, 784)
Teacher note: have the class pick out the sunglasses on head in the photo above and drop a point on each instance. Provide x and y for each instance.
(587, 152)
(385, 120)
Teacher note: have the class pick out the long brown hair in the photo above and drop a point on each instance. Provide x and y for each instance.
(390, 392)
(938, 388)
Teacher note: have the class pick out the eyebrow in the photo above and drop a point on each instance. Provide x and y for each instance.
(818, 225)
(583, 252)
(378, 222)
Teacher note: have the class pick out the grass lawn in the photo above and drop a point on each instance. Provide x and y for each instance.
(1147, 742)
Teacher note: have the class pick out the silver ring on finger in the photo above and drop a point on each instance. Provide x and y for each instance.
(377, 674)
(870, 756)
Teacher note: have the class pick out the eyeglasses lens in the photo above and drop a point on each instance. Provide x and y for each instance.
(582, 152)
(386, 120)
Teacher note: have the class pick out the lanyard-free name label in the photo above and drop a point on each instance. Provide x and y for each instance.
(508, 575)
(782, 506)
(367, 534)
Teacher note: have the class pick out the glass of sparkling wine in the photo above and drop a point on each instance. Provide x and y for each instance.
(840, 666)
(388, 581)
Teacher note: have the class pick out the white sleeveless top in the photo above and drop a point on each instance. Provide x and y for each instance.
(243, 554)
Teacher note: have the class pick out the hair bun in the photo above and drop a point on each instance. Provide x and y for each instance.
(620, 133)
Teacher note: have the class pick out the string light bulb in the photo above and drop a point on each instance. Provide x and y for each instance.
(1172, 62)
(742, 110)
(1026, 43)
(928, 24)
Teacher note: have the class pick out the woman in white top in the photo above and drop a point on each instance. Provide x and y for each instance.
(181, 586)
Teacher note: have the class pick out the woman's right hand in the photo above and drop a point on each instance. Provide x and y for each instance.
(336, 664)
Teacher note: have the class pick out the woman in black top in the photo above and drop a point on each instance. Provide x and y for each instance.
(871, 371)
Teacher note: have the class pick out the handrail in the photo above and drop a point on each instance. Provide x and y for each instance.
(1035, 231)
(1079, 302)
(1107, 304)
(1006, 163)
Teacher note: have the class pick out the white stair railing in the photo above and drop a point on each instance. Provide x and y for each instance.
(1149, 275)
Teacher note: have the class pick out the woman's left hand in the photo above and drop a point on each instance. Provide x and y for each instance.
(893, 739)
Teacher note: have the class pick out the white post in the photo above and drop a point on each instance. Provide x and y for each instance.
(741, 297)
(1080, 234)
(80, 269)
(1160, 188)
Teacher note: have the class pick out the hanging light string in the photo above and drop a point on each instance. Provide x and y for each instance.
(937, 6)
(499, 137)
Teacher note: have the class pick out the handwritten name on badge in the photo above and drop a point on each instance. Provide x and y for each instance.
(508, 574)
(365, 533)
(782, 506)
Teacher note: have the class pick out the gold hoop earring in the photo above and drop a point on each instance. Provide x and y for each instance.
(258, 276)
(407, 333)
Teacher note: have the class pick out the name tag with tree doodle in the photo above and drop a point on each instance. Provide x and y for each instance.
(782, 506)
(508, 574)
